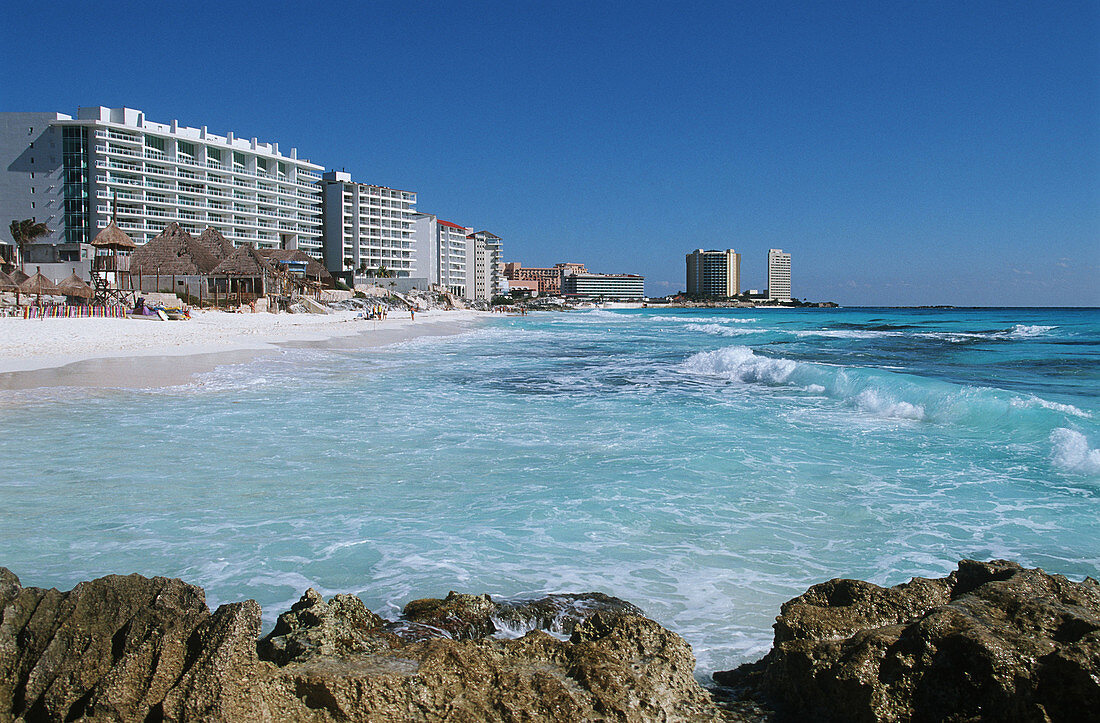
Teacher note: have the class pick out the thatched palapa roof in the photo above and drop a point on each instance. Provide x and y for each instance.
(173, 252)
(7, 283)
(219, 246)
(244, 261)
(113, 237)
(39, 284)
(18, 276)
(76, 286)
(314, 268)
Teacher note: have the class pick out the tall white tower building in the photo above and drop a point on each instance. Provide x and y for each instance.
(441, 248)
(779, 275)
(367, 226)
(485, 255)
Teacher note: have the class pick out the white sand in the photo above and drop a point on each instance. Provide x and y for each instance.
(39, 344)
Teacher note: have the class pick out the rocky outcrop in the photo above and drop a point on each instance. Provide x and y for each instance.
(138, 649)
(475, 616)
(992, 641)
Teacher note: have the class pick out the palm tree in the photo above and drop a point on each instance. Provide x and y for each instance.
(23, 233)
(383, 272)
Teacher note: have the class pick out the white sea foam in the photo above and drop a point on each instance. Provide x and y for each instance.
(719, 329)
(740, 363)
(1034, 401)
(1071, 451)
(714, 319)
(1022, 331)
(873, 401)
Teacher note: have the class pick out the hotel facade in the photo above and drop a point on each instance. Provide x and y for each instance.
(443, 253)
(715, 274)
(487, 256)
(75, 173)
(606, 286)
(779, 275)
(368, 226)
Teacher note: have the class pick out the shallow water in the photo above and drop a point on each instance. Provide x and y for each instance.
(706, 465)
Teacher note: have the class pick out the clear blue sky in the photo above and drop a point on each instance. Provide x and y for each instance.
(903, 152)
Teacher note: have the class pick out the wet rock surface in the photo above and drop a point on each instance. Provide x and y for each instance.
(139, 649)
(991, 642)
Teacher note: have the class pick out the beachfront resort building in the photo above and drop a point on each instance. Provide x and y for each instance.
(441, 253)
(367, 227)
(32, 182)
(488, 278)
(714, 274)
(74, 173)
(624, 287)
(779, 275)
(547, 281)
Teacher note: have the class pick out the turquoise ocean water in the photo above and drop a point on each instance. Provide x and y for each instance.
(706, 465)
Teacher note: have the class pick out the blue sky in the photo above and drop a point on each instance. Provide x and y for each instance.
(904, 153)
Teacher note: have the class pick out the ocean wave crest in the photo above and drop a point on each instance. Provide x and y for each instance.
(720, 330)
(885, 393)
(1024, 331)
(1070, 451)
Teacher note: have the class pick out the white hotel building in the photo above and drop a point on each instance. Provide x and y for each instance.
(159, 173)
(442, 253)
(368, 226)
(779, 275)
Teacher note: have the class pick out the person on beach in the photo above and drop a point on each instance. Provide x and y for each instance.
(412, 313)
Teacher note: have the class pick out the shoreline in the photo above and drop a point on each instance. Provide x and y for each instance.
(124, 353)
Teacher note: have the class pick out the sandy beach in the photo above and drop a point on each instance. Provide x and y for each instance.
(102, 352)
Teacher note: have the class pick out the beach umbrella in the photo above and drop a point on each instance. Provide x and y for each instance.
(76, 287)
(7, 283)
(38, 285)
(18, 276)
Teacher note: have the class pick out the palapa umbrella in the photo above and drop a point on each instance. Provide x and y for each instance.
(38, 285)
(7, 283)
(18, 276)
(75, 286)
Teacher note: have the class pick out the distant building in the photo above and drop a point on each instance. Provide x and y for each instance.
(714, 273)
(548, 279)
(488, 278)
(605, 286)
(368, 226)
(779, 275)
(66, 172)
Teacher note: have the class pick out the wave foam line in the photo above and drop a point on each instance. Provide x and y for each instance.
(883, 393)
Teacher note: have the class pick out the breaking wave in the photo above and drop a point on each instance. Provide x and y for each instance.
(720, 329)
(883, 393)
(1071, 451)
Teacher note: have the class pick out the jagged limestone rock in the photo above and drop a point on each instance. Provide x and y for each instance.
(992, 641)
(139, 649)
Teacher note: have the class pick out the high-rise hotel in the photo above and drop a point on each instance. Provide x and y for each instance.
(714, 274)
(69, 173)
(779, 275)
(368, 226)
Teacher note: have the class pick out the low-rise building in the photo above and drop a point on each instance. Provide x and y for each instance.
(548, 279)
(626, 287)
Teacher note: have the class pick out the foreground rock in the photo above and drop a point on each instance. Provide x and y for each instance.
(992, 641)
(139, 649)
